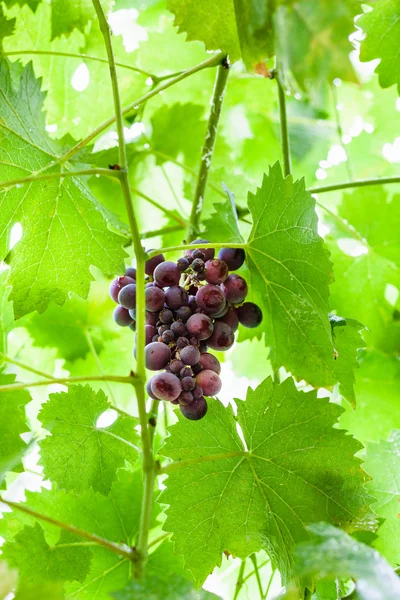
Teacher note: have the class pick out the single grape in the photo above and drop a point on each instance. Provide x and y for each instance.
(167, 274)
(151, 318)
(182, 342)
(210, 362)
(210, 382)
(185, 398)
(162, 328)
(182, 264)
(231, 318)
(176, 296)
(154, 299)
(201, 275)
(190, 355)
(149, 390)
(216, 271)
(197, 392)
(234, 288)
(222, 337)
(211, 299)
(157, 356)
(249, 315)
(122, 316)
(168, 336)
(192, 302)
(198, 264)
(166, 386)
(176, 366)
(183, 313)
(127, 296)
(196, 410)
(166, 316)
(194, 342)
(222, 312)
(152, 263)
(192, 291)
(188, 384)
(131, 272)
(117, 284)
(208, 252)
(150, 332)
(179, 329)
(186, 372)
(198, 254)
(200, 326)
(234, 257)
(197, 368)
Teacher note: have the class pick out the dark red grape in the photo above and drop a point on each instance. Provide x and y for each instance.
(162, 328)
(208, 252)
(176, 366)
(201, 275)
(151, 318)
(185, 398)
(183, 313)
(149, 390)
(152, 263)
(179, 329)
(210, 362)
(198, 264)
(188, 384)
(222, 337)
(117, 284)
(216, 271)
(182, 342)
(196, 410)
(166, 316)
(150, 332)
(166, 386)
(122, 316)
(186, 372)
(234, 288)
(230, 318)
(154, 299)
(167, 274)
(192, 303)
(249, 314)
(210, 382)
(176, 296)
(200, 326)
(211, 299)
(157, 356)
(194, 342)
(131, 272)
(197, 392)
(182, 264)
(234, 257)
(168, 336)
(127, 296)
(198, 254)
(222, 312)
(190, 355)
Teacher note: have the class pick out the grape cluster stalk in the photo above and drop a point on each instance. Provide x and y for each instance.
(192, 305)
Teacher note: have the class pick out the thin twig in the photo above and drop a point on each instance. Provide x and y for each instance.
(12, 182)
(339, 129)
(12, 387)
(253, 559)
(168, 212)
(240, 580)
(269, 583)
(353, 184)
(161, 231)
(287, 169)
(22, 365)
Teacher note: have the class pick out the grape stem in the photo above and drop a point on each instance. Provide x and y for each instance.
(287, 168)
(148, 463)
(253, 559)
(208, 148)
(12, 387)
(353, 184)
(59, 175)
(190, 247)
(240, 580)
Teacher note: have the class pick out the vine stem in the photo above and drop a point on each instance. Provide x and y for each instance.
(121, 550)
(162, 231)
(208, 148)
(240, 580)
(190, 247)
(60, 175)
(210, 62)
(169, 213)
(22, 365)
(287, 168)
(253, 559)
(12, 387)
(353, 184)
(148, 459)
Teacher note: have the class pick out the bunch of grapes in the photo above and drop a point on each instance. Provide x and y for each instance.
(192, 306)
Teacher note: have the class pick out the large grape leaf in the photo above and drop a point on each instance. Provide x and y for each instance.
(223, 225)
(79, 454)
(333, 553)
(348, 340)
(66, 16)
(295, 468)
(65, 230)
(383, 464)
(12, 424)
(382, 29)
(46, 590)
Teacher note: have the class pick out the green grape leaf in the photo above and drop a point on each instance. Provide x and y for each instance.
(66, 16)
(65, 231)
(36, 560)
(255, 30)
(33, 4)
(348, 341)
(6, 25)
(12, 424)
(223, 225)
(382, 463)
(382, 29)
(45, 590)
(296, 467)
(333, 553)
(288, 273)
(79, 454)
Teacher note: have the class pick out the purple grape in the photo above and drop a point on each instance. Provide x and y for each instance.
(176, 366)
(149, 390)
(194, 342)
(166, 386)
(185, 398)
(176, 296)
(131, 272)
(132, 313)
(151, 318)
(234, 288)
(223, 312)
(198, 254)
(117, 284)
(167, 274)
(197, 368)
(200, 326)
(211, 299)
(127, 296)
(154, 299)
(183, 313)
(166, 316)
(156, 338)
(153, 262)
(197, 392)
(133, 326)
(234, 257)
(192, 303)
(196, 410)
(122, 316)
(216, 271)
(186, 372)
(168, 336)
(182, 342)
(210, 382)
(157, 356)
(198, 264)
(231, 318)
(190, 355)
(208, 252)
(150, 332)
(188, 384)
(201, 275)
(179, 329)
(203, 347)
(162, 328)
(210, 362)
(222, 337)
(182, 264)
(249, 315)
